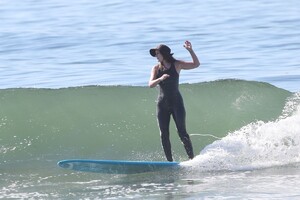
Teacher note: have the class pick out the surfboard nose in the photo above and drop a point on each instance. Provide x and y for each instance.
(64, 164)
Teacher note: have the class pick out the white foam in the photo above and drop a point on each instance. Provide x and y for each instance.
(257, 145)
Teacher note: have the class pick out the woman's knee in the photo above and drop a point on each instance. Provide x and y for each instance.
(184, 136)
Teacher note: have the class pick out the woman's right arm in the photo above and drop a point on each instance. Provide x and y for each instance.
(153, 81)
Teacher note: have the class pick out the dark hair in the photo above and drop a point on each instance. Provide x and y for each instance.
(168, 56)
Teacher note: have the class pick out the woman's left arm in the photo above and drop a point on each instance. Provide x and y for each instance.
(189, 65)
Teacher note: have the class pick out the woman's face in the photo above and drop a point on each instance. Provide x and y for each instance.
(159, 56)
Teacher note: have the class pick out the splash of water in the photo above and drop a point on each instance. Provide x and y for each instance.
(256, 145)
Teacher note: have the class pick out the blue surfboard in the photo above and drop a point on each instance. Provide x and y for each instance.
(116, 166)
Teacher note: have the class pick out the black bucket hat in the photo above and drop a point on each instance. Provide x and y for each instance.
(163, 49)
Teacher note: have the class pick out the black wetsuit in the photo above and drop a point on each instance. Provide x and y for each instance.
(169, 103)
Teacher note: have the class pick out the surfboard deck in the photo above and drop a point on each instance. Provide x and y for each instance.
(116, 166)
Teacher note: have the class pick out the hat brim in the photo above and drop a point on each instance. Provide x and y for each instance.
(153, 52)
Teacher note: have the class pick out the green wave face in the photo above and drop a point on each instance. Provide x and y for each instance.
(119, 122)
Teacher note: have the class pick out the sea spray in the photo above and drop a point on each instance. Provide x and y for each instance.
(256, 145)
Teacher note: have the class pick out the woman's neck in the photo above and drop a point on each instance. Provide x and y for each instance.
(166, 65)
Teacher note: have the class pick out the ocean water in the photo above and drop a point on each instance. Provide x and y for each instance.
(73, 85)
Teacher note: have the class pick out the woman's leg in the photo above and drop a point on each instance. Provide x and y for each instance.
(179, 118)
(163, 118)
